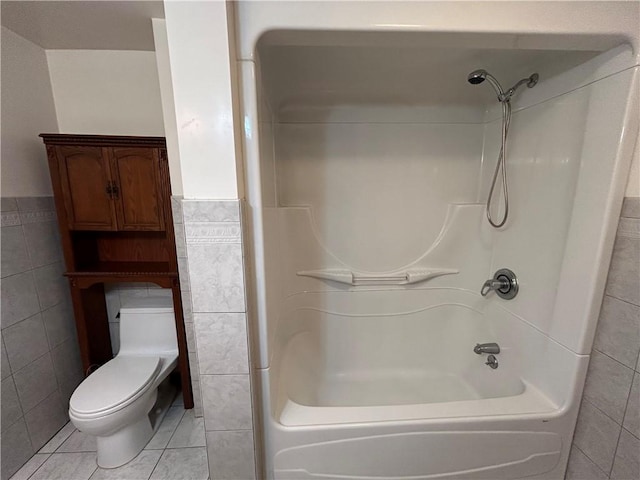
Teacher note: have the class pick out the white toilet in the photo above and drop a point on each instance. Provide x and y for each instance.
(115, 402)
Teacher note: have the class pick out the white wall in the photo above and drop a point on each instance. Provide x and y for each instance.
(27, 110)
(198, 39)
(109, 92)
(168, 104)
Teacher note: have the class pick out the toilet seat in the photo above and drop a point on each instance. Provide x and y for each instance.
(115, 385)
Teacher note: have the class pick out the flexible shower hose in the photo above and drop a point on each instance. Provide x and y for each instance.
(501, 165)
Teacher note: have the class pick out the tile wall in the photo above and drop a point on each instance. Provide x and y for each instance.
(40, 357)
(209, 243)
(187, 308)
(606, 443)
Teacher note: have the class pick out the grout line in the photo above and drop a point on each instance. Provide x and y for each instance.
(48, 352)
(4, 347)
(154, 465)
(19, 273)
(27, 249)
(49, 264)
(22, 412)
(614, 359)
(157, 463)
(24, 320)
(47, 334)
(199, 222)
(64, 440)
(95, 470)
(206, 456)
(48, 400)
(586, 399)
(630, 433)
(35, 286)
(589, 458)
(175, 429)
(184, 448)
(229, 430)
(617, 298)
(34, 472)
(626, 408)
(615, 452)
(621, 299)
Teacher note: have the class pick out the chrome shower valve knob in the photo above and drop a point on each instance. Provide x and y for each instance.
(492, 361)
(504, 283)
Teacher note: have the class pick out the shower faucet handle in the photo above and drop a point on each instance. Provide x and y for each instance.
(493, 284)
(504, 283)
(492, 361)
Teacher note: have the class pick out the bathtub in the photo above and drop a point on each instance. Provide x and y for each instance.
(369, 392)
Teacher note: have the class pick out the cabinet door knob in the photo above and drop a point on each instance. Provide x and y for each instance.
(112, 189)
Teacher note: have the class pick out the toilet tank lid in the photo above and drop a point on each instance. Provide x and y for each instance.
(147, 305)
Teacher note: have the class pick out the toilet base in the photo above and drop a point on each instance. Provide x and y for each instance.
(125, 444)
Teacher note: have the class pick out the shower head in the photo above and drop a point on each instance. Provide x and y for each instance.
(477, 76)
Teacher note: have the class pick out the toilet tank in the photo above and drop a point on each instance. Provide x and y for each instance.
(147, 326)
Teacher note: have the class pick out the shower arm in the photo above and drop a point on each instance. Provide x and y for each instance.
(529, 81)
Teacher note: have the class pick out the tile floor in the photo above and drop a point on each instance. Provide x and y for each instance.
(176, 452)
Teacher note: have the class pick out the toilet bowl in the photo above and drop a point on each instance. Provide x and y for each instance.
(113, 404)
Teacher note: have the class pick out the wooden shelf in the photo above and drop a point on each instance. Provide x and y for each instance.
(113, 200)
(128, 268)
(127, 272)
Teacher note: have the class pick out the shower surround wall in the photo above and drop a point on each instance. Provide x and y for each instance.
(367, 188)
(607, 438)
(41, 364)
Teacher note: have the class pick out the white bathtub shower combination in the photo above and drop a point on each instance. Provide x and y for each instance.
(368, 162)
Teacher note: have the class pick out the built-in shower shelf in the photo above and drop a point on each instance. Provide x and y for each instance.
(349, 277)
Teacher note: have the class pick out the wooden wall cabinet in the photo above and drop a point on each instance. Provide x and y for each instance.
(113, 200)
(111, 188)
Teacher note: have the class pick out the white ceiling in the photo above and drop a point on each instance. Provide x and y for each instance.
(84, 25)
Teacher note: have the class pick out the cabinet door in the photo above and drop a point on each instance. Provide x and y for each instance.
(139, 202)
(85, 178)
